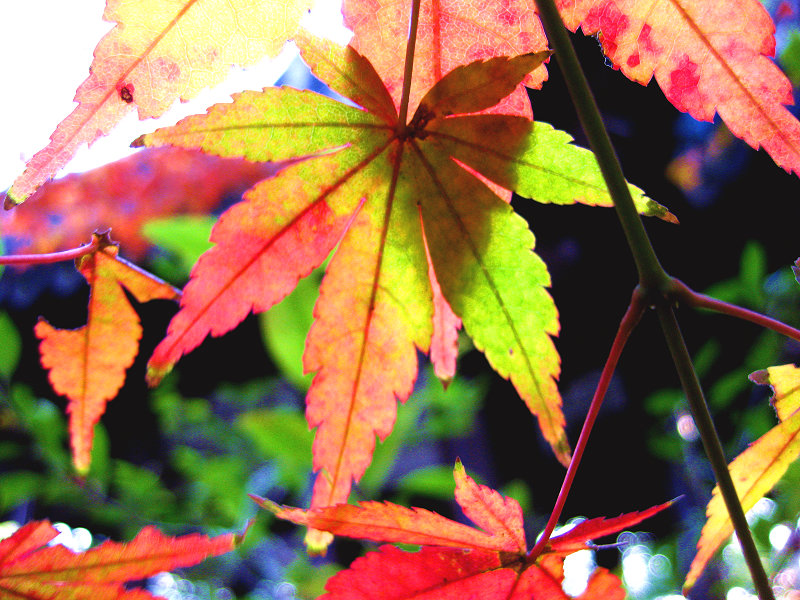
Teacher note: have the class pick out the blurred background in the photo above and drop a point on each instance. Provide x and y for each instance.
(229, 420)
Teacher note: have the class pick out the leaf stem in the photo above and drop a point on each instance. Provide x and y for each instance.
(651, 274)
(713, 447)
(682, 292)
(51, 257)
(626, 326)
(409, 65)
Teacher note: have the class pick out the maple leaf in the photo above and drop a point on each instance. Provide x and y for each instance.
(130, 192)
(157, 53)
(87, 365)
(456, 560)
(31, 569)
(709, 58)
(756, 470)
(384, 195)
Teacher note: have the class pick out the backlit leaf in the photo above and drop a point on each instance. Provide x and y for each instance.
(159, 52)
(32, 570)
(87, 365)
(756, 470)
(451, 33)
(709, 58)
(362, 191)
(456, 561)
(125, 195)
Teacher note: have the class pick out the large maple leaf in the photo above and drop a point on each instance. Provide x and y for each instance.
(384, 193)
(457, 561)
(88, 364)
(709, 57)
(31, 569)
(159, 52)
(756, 470)
(127, 193)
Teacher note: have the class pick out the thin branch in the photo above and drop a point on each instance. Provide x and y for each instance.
(685, 294)
(627, 325)
(408, 69)
(651, 275)
(52, 257)
(713, 447)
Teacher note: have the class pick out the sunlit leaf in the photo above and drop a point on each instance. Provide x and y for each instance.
(159, 52)
(369, 189)
(756, 470)
(709, 58)
(87, 365)
(457, 561)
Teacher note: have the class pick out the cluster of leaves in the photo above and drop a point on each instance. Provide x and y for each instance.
(414, 212)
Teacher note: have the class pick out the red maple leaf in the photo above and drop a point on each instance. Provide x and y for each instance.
(457, 561)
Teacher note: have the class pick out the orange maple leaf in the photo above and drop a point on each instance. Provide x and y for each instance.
(457, 561)
(157, 53)
(87, 365)
(30, 569)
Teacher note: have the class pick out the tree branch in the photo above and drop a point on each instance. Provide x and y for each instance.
(52, 257)
(628, 323)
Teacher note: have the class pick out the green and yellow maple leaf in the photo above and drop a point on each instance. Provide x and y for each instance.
(385, 193)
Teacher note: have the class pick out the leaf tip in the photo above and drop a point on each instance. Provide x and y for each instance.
(265, 503)
(10, 201)
(317, 542)
(760, 377)
(138, 142)
(156, 374)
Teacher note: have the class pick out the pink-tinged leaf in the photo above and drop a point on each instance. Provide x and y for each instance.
(280, 232)
(374, 310)
(456, 561)
(450, 33)
(709, 58)
(88, 365)
(446, 325)
(32, 570)
(156, 54)
(387, 522)
(489, 510)
(125, 195)
(444, 342)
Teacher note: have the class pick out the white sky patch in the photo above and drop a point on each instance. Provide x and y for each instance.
(47, 47)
